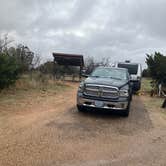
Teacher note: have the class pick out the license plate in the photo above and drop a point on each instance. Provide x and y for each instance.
(99, 103)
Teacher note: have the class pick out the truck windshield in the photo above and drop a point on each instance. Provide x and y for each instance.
(110, 73)
(132, 68)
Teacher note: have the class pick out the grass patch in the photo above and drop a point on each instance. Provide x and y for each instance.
(30, 90)
(153, 102)
(146, 85)
(36, 82)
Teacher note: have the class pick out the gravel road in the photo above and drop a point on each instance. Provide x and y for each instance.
(54, 133)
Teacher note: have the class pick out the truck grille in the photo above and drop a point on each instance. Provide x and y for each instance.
(101, 91)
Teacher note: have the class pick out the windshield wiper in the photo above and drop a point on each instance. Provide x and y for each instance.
(107, 77)
(115, 78)
(95, 76)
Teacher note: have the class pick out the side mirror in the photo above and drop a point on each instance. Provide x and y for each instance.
(83, 73)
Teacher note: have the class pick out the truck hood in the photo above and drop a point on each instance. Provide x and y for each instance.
(106, 81)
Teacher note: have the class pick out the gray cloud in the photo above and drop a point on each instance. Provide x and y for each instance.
(118, 29)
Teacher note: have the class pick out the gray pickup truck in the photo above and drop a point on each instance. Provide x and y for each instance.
(106, 88)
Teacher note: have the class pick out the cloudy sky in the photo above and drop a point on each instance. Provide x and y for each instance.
(119, 29)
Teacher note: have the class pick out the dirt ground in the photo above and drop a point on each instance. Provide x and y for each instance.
(48, 130)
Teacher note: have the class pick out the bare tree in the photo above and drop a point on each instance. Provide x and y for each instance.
(36, 61)
(4, 42)
(91, 64)
(105, 61)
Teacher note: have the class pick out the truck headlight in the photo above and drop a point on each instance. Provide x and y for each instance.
(81, 87)
(123, 92)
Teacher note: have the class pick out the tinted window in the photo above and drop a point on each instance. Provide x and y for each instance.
(132, 69)
(110, 73)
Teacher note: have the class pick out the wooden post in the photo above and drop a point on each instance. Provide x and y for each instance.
(54, 70)
(81, 67)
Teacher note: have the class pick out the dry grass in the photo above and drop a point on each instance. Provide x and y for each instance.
(146, 85)
(154, 104)
(29, 90)
(151, 103)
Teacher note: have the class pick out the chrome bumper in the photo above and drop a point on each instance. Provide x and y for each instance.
(118, 105)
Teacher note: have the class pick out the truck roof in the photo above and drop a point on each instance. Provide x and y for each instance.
(118, 68)
(129, 63)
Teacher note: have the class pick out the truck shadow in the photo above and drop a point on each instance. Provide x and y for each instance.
(138, 119)
(74, 124)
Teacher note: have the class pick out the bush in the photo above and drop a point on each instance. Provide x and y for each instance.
(146, 73)
(9, 70)
(51, 68)
(157, 67)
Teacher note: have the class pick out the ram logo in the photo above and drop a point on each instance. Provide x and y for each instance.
(100, 92)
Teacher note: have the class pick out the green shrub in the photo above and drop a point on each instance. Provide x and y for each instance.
(157, 67)
(9, 70)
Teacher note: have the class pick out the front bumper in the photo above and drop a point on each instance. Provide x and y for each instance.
(105, 104)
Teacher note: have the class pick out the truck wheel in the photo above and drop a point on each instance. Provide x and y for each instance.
(127, 111)
(80, 108)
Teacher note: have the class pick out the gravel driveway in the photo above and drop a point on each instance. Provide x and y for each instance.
(55, 133)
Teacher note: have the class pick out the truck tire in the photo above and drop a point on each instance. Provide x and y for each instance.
(131, 97)
(126, 111)
(80, 108)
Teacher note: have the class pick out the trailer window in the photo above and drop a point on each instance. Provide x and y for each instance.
(132, 68)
